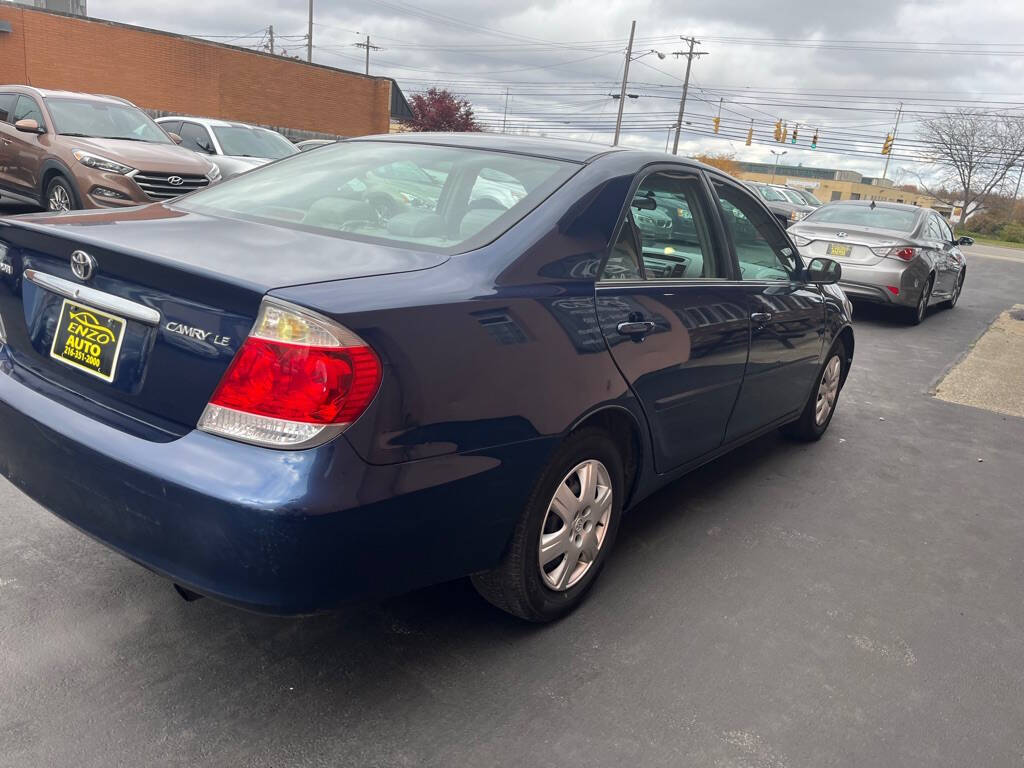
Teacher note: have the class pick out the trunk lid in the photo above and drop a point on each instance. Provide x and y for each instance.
(178, 291)
(847, 245)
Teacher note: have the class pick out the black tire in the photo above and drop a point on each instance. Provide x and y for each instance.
(60, 188)
(952, 301)
(806, 428)
(915, 315)
(517, 585)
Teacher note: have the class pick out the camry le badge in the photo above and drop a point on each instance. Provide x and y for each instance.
(82, 264)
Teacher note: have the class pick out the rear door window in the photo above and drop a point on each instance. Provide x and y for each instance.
(673, 228)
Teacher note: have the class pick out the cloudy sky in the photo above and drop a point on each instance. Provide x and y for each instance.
(840, 68)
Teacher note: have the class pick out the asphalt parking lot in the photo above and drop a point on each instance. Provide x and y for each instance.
(853, 602)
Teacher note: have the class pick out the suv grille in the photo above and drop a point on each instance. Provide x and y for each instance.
(158, 186)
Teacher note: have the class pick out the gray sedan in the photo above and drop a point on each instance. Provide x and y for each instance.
(891, 253)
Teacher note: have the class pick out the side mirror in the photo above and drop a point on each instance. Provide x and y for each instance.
(28, 125)
(645, 203)
(823, 271)
(175, 137)
(965, 240)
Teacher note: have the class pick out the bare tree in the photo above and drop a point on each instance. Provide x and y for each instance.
(974, 153)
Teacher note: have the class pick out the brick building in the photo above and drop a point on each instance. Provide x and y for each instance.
(168, 73)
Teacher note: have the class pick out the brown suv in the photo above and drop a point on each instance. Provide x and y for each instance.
(65, 150)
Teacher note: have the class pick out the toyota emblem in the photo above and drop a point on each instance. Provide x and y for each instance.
(175, 181)
(82, 264)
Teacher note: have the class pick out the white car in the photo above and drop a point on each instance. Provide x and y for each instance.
(233, 147)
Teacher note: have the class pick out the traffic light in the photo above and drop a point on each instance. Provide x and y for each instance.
(793, 141)
(750, 134)
(778, 130)
(814, 139)
(716, 121)
(887, 146)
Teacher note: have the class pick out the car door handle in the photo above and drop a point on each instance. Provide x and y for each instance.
(760, 317)
(635, 328)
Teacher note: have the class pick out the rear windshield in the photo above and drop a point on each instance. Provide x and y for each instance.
(864, 216)
(243, 141)
(103, 120)
(438, 197)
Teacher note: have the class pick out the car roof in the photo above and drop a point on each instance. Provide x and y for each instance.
(881, 204)
(558, 149)
(210, 122)
(46, 93)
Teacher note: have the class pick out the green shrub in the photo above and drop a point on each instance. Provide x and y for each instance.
(1012, 232)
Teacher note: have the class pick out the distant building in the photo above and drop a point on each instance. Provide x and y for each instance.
(828, 184)
(74, 7)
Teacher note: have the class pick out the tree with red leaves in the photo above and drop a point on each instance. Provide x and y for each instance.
(441, 110)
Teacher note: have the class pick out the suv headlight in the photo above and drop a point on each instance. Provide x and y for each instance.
(101, 163)
(795, 215)
(214, 173)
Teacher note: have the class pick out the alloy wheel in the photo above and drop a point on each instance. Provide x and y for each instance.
(59, 199)
(956, 290)
(828, 390)
(575, 525)
(922, 303)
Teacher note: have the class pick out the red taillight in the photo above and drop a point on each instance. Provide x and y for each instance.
(297, 380)
(893, 290)
(906, 254)
(316, 385)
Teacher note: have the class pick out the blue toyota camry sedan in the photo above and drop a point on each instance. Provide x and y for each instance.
(404, 359)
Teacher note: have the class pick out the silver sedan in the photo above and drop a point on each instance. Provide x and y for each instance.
(891, 253)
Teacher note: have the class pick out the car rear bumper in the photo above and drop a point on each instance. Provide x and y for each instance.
(876, 283)
(273, 531)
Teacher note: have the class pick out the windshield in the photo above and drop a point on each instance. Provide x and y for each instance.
(437, 197)
(772, 194)
(243, 141)
(103, 120)
(864, 216)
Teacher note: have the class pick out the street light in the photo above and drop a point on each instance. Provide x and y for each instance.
(777, 156)
(625, 78)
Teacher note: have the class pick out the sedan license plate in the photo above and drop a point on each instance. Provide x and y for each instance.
(88, 339)
(838, 249)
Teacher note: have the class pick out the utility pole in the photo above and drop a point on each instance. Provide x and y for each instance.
(776, 167)
(899, 112)
(625, 77)
(1019, 177)
(504, 117)
(270, 31)
(309, 35)
(686, 85)
(368, 48)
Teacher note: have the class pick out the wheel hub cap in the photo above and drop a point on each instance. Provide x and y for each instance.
(828, 390)
(575, 524)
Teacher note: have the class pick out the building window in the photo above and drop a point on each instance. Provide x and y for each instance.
(899, 199)
(837, 195)
(855, 195)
